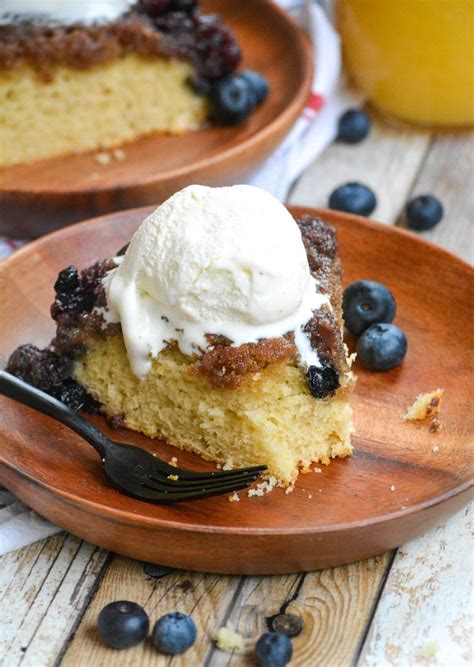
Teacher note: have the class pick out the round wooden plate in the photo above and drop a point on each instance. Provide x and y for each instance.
(401, 480)
(42, 196)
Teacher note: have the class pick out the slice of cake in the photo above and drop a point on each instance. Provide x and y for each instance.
(86, 75)
(218, 329)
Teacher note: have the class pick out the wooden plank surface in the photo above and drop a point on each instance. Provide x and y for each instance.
(43, 589)
(425, 614)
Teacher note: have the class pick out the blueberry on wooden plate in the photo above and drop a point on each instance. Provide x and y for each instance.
(366, 302)
(273, 649)
(382, 347)
(257, 83)
(123, 624)
(424, 212)
(174, 633)
(353, 126)
(353, 198)
(231, 100)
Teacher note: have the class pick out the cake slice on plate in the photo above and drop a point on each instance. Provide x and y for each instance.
(219, 329)
(86, 75)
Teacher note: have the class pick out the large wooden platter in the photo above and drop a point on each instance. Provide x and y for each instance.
(48, 194)
(401, 480)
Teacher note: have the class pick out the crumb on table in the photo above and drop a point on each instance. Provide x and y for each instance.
(234, 498)
(227, 638)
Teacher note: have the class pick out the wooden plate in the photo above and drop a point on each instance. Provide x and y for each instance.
(401, 480)
(48, 194)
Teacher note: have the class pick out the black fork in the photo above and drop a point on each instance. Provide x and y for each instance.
(131, 469)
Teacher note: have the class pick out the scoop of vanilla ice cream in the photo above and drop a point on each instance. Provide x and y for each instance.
(226, 261)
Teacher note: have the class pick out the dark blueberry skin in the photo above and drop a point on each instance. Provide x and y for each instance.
(231, 100)
(367, 302)
(353, 126)
(174, 633)
(257, 83)
(382, 347)
(353, 198)
(273, 649)
(323, 381)
(424, 212)
(123, 624)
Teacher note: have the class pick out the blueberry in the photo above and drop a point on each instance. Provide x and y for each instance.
(382, 347)
(353, 126)
(174, 633)
(323, 380)
(123, 624)
(67, 280)
(273, 650)
(424, 212)
(231, 100)
(353, 198)
(367, 302)
(257, 83)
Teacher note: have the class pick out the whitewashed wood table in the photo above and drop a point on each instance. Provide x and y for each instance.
(408, 607)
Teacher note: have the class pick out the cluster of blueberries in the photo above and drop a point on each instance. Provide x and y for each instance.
(124, 624)
(421, 213)
(369, 308)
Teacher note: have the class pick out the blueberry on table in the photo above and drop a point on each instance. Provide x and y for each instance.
(273, 649)
(257, 83)
(424, 212)
(367, 302)
(323, 380)
(353, 126)
(174, 633)
(382, 347)
(231, 100)
(123, 624)
(353, 198)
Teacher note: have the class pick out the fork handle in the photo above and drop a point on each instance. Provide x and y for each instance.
(24, 393)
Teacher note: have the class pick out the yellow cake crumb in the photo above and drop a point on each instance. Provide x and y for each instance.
(425, 405)
(173, 477)
(234, 498)
(173, 462)
(227, 639)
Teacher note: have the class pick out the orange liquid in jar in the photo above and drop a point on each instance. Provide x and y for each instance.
(413, 58)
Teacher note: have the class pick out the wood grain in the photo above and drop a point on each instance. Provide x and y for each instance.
(425, 614)
(277, 533)
(44, 195)
(387, 161)
(43, 588)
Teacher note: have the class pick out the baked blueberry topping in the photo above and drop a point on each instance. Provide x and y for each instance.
(323, 381)
(174, 633)
(382, 347)
(257, 83)
(424, 212)
(67, 280)
(231, 100)
(367, 302)
(353, 126)
(353, 198)
(123, 624)
(273, 649)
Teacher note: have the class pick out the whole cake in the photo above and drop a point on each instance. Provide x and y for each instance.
(217, 328)
(86, 75)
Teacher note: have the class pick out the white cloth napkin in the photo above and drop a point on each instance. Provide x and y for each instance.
(312, 132)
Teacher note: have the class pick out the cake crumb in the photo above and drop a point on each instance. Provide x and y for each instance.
(173, 477)
(173, 462)
(119, 154)
(435, 425)
(290, 489)
(429, 651)
(227, 639)
(103, 158)
(392, 488)
(219, 466)
(425, 405)
(317, 470)
(263, 487)
(229, 464)
(234, 498)
(435, 449)
(310, 495)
